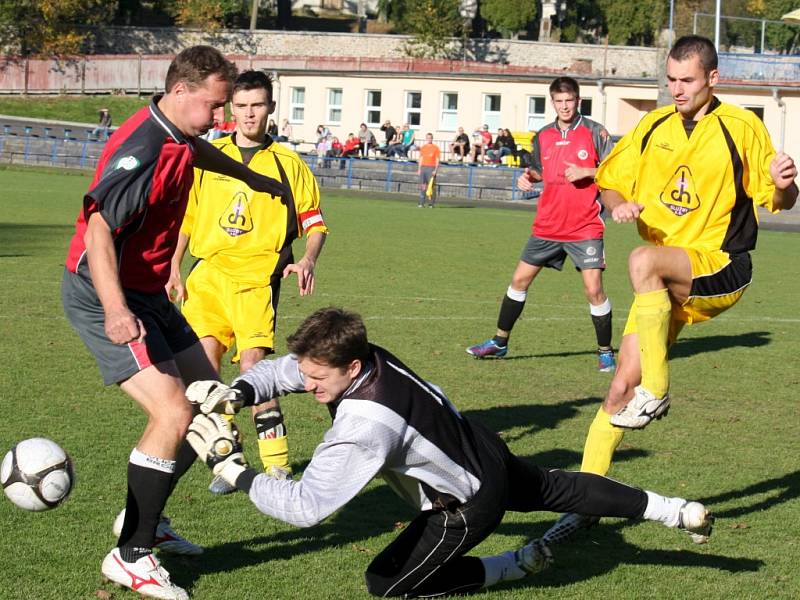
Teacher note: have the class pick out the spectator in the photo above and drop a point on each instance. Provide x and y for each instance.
(324, 144)
(391, 137)
(481, 142)
(504, 145)
(460, 146)
(103, 125)
(405, 143)
(366, 140)
(334, 151)
(272, 129)
(322, 133)
(286, 131)
(351, 146)
(216, 129)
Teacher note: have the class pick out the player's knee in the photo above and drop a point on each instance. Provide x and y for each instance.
(385, 587)
(172, 418)
(641, 263)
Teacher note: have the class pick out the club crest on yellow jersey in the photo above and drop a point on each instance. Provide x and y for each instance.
(236, 219)
(680, 195)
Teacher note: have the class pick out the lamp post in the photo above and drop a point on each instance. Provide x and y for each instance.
(467, 10)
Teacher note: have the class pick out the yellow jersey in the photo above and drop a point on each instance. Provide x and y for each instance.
(245, 234)
(699, 189)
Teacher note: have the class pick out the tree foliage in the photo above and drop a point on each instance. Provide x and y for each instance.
(634, 23)
(51, 27)
(508, 16)
(206, 14)
(432, 24)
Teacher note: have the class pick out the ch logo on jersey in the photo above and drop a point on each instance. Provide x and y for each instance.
(679, 195)
(236, 220)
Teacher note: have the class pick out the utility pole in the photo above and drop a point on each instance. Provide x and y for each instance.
(253, 15)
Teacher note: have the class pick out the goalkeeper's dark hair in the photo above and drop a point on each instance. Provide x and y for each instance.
(253, 80)
(331, 336)
(196, 64)
(696, 45)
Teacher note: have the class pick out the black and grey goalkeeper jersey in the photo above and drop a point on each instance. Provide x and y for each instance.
(389, 422)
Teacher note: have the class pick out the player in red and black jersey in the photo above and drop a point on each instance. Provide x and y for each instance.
(114, 294)
(565, 157)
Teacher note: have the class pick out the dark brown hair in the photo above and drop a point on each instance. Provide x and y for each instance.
(695, 45)
(565, 85)
(194, 65)
(253, 80)
(331, 336)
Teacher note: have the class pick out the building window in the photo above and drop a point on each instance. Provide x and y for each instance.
(373, 108)
(297, 108)
(413, 108)
(491, 111)
(759, 110)
(448, 118)
(535, 118)
(335, 106)
(586, 107)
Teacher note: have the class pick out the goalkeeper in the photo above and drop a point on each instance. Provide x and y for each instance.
(387, 421)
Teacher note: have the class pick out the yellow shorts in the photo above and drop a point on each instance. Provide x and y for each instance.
(231, 312)
(718, 281)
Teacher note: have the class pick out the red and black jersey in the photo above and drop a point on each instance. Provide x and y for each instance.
(141, 186)
(569, 212)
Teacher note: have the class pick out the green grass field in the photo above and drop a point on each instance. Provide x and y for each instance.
(79, 109)
(428, 283)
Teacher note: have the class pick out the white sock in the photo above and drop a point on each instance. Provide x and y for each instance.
(502, 567)
(661, 508)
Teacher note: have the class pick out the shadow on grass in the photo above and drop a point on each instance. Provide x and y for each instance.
(785, 489)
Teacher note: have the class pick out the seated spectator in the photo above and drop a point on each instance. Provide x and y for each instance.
(286, 131)
(323, 145)
(481, 142)
(366, 140)
(460, 146)
(350, 148)
(504, 145)
(100, 132)
(323, 133)
(391, 137)
(334, 151)
(272, 129)
(406, 143)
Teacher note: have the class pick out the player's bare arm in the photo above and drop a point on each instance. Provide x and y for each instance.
(784, 172)
(575, 173)
(121, 325)
(305, 266)
(621, 210)
(174, 286)
(211, 159)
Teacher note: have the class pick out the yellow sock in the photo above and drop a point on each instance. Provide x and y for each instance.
(653, 311)
(601, 441)
(274, 452)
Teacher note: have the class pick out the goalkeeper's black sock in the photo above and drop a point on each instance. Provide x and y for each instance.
(149, 486)
(511, 309)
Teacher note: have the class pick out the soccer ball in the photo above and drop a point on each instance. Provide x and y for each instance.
(37, 474)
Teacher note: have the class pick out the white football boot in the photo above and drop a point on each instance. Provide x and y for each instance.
(166, 540)
(695, 520)
(145, 576)
(533, 557)
(567, 526)
(643, 408)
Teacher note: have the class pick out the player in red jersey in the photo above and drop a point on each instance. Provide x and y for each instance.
(113, 294)
(565, 157)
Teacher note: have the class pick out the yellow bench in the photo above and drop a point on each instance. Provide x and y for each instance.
(524, 141)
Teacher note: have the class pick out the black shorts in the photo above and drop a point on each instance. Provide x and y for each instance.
(168, 333)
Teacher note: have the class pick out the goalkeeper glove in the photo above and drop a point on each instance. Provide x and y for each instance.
(218, 445)
(215, 396)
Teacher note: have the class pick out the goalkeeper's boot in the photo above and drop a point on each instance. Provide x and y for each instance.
(488, 349)
(567, 526)
(166, 540)
(220, 486)
(145, 576)
(605, 361)
(533, 557)
(643, 408)
(695, 520)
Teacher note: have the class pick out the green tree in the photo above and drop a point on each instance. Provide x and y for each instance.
(207, 14)
(432, 24)
(634, 23)
(51, 27)
(508, 16)
(582, 21)
(784, 38)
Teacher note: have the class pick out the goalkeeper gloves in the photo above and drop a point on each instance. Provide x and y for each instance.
(218, 445)
(215, 397)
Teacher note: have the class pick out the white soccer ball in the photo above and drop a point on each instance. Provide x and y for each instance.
(37, 474)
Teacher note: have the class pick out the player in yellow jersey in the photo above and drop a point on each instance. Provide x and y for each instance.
(690, 175)
(244, 246)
